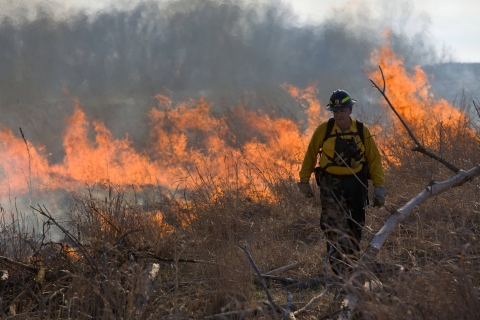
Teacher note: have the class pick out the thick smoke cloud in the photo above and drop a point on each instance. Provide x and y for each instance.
(117, 60)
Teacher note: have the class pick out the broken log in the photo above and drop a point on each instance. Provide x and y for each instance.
(434, 188)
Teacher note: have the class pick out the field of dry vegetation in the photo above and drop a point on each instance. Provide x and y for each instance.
(112, 256)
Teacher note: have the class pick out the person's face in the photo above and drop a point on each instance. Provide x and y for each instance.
(342, 117)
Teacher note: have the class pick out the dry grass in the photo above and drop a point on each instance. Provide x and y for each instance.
(203, 269)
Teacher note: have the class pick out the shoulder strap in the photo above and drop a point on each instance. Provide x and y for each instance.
(328, 134)
(360, 130)
(330, 124)
(365, 167)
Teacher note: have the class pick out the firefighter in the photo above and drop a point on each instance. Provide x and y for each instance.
(348, 157)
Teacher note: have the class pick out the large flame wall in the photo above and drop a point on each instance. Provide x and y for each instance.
(187, 141)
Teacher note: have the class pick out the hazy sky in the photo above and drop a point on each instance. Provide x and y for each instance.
(453, 24)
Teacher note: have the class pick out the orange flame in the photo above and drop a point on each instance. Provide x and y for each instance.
(190, 147)
(186, 143)
(71, 253)
(314, 110)
(409, 94)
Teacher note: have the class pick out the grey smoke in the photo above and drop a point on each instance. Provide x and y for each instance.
(117, 60)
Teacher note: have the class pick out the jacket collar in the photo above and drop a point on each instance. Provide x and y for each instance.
(351, 128)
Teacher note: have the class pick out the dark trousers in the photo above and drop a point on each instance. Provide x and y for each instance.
(343, 217)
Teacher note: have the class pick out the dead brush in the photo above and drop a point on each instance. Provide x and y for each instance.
(436, 247)
(436, 289)
(176, 254)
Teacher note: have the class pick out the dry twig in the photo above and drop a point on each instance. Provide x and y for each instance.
(69, 235)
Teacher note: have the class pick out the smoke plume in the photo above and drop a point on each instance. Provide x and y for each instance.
(116, 60)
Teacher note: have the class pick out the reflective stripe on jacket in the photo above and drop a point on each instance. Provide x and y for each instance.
(368, 147)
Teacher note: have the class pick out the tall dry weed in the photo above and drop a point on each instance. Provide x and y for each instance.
(429, 266)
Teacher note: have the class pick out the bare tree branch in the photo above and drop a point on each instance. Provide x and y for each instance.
(476, 108)
(29, 161)
(419, 147)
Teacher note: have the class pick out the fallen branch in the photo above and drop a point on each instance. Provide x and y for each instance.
(400, 215)
(315, 299)
(431, 190)
(325, 290)
(285, 268)
(259, 274)
(289, 314)
(41, 272)
(280, 279)
(269, 275)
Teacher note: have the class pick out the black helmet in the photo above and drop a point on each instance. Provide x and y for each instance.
(339, 100)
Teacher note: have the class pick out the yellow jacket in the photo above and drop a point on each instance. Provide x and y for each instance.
(369, 151)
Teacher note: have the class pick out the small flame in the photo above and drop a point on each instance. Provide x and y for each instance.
(71, 253)
(315, 112)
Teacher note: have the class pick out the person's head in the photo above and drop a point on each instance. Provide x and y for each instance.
(341, 105)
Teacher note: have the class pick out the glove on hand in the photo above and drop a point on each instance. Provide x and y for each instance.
(379, 194)
(305, 189)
